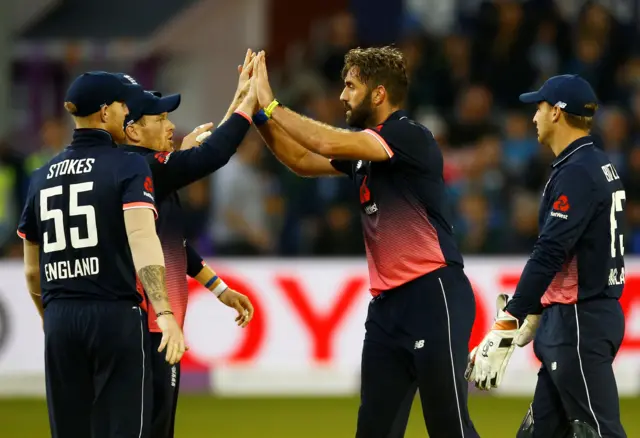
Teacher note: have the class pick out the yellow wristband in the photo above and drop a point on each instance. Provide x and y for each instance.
(269, 109)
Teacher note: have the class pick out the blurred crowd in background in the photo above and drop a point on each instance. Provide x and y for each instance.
(467, 66)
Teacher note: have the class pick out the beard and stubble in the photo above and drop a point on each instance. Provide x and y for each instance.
(360, 116)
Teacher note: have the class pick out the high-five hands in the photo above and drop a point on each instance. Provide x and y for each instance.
(261, 76)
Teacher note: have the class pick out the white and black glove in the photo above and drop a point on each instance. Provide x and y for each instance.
(489, 360)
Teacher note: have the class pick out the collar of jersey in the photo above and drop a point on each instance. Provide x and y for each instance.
(85, 137)
(136, 148)
(573, 147)
(396, 116)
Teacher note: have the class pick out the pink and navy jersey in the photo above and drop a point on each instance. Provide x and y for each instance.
(74, 211)
(172, 171)
(404, 205)
(579, 254)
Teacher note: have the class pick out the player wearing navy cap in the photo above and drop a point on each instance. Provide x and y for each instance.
(81, 257)
(574, 279)
(420, 319)
(149, 132)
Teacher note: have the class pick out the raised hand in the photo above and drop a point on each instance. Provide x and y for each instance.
(196, 137)
(261, 76)
(245, 72)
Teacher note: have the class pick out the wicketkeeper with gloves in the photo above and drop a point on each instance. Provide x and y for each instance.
(568, 294)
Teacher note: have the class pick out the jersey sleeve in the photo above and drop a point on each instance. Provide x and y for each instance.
(136, 183)
(175, 170)
(343, 166)
(404, 140)
(28, 226)
(195, 262)
(575, 201)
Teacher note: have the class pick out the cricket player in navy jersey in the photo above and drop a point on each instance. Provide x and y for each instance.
(82, 253)
(568, 295)
(149, 132)
(420, 318)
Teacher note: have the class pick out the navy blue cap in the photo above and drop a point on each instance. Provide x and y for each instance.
(91, 90)
(150, 103)
(571, 93)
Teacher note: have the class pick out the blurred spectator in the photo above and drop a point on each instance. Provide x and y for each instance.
(54, 136)
(522, 231)
(500, 55)
(548, 50)
(339, 233)
(635, 114)
(474, 232)
(614, 130)
(536, 172)
(239, 193)
(519, 145)
(341, 38)
(632, 206)
(472, 118)
(13, 188)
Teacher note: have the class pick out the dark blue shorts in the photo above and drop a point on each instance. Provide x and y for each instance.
(417, 337)
(97, 366)
(576, 345)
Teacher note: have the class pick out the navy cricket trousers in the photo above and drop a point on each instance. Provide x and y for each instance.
(576, 345)
(417, 337)
(97, 367)
(166, 386)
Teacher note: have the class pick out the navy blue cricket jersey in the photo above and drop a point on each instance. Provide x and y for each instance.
(404, 205)
(172, 171)
(74, 211)
(579, 252)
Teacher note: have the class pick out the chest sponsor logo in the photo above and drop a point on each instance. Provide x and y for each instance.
(560, 207)
(365, 198)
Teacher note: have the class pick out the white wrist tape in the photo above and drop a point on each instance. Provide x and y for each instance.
(221, 287)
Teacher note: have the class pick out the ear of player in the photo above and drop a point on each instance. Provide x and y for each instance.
(488, 361)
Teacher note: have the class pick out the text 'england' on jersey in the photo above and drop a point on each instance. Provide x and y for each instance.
(583, 212)
(405, 209)
(74, 211)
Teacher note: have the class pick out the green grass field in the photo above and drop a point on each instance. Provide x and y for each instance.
(205, 417)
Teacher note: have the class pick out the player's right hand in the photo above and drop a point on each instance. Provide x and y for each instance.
(196, 137)
(172, 339)
(261, 76)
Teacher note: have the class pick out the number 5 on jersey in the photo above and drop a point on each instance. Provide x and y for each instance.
(57, 216)
(616, 207)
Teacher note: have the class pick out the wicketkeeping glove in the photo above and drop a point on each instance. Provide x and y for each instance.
(488, 361)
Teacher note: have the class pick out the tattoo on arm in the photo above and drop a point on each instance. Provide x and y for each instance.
(153, 280)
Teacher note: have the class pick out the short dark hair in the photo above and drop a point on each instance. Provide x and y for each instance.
(70, 108)
(380, 66)
(583, 123)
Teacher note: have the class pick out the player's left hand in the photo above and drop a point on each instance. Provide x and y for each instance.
(489, 360)
(261, 76)
(241, 303)
(196, 137)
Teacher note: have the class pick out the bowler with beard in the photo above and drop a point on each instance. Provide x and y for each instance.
(420, 318)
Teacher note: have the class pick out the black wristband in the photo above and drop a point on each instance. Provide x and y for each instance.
(164, 312)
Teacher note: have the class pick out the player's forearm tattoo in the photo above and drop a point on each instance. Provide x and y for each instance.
(153, 280)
